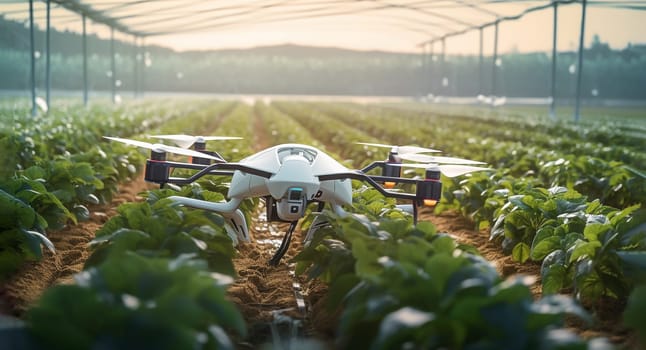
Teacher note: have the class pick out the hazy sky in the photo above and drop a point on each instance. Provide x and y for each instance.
(388, 31)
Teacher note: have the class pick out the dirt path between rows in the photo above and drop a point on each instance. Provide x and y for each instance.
(265, 294)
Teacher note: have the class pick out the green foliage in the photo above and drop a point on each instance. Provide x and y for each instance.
(17, 149)
(374, 205)
(160, 227)
(400, 285)
(111, 168)
(22, 228)
(610, 182)
(634, 316)
(597, 254)
(523, 215)
(132, 301)
(593, 248)
(563, 195)
(58, 170)
(74, 184)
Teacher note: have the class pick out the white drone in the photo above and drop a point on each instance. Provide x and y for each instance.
(291, 176)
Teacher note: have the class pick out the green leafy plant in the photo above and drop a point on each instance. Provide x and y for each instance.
(20, 239)
(607, 259)
(399, 285)
(28, 209)
(523, 215)
(162, 228)
(634, 316)
(132, 301)
(73, 183)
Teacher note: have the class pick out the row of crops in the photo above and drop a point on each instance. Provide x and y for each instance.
(566, 197)
(158, 272)
(569, 197)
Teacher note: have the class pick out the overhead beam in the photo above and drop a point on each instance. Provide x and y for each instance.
(94, 15)
(507, 18)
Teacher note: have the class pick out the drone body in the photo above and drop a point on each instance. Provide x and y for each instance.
(291, 176)
(296, 170)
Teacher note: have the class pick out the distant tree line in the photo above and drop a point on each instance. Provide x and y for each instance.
(608, 74)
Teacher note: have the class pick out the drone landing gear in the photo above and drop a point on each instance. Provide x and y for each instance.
(284, 245)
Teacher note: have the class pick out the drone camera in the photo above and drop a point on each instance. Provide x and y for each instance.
(289, 208)
(292, 207)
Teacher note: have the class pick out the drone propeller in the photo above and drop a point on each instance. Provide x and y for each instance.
(164, 148)
(450, 170)
(424, 158)
(185, 141)
(400, 149)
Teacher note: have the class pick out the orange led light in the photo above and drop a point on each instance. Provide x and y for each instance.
(430, 202)
(389, 185)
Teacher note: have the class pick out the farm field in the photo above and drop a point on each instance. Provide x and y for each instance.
(545, 250)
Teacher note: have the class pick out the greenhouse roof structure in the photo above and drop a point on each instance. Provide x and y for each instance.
(434, 19)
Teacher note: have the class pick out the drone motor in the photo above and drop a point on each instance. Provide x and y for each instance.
(429, 191)
(157, 170)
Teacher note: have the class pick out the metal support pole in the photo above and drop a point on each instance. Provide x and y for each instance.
(481, 64)
(48, 72)
(495, 58)
(143, 66)
(443, 65)
(85, 84)
(112, 67)
(32, 58)
(431, 66)
(554, 40)
(135, 69)
(423, 70)
(580, 64)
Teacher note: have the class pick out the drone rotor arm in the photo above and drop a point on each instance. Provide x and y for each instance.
(371, 180)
